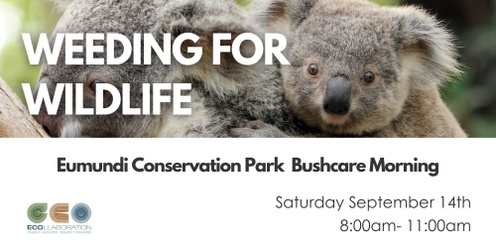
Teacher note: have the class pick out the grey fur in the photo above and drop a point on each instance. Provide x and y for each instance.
(223, 97)
(408, 50)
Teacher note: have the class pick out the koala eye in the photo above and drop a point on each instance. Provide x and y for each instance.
(313, 69)
(369, 77)
(92, 85)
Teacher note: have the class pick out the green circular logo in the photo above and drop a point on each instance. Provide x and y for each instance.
(37, 212)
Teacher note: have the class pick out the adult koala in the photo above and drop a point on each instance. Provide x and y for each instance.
(358, 69)
(222, 97)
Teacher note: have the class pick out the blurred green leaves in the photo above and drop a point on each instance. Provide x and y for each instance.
(16, 17)
(387, 2)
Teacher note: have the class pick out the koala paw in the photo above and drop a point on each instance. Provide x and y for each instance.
(257, 129)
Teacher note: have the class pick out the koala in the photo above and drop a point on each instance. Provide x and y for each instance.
(362, 70)
(96, 16)
(223, 96)
(230, 95)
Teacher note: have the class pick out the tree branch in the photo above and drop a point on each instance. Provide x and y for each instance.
(15, 120)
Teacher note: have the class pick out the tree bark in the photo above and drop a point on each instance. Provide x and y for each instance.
(15, 120)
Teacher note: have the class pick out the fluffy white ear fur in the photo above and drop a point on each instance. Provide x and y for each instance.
(60, 5)
(431, 41)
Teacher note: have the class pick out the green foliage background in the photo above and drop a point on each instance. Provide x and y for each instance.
(464, 95)
(34, 16)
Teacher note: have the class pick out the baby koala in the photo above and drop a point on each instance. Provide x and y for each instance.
(358, 69)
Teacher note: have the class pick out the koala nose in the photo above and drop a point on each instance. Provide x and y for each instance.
(337, 99)
(48, 122)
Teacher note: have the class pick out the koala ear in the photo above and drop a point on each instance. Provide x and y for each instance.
(206, 18)
(421, 35)
(60, 5)
(281, 15)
